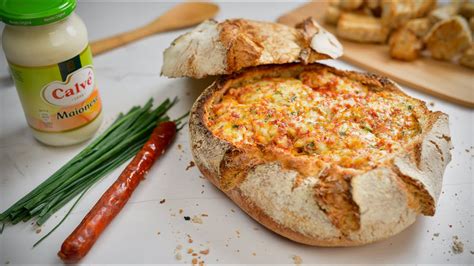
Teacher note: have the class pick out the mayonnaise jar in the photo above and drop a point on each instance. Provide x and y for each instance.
(50, 60)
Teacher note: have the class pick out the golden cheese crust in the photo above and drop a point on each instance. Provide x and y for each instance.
(318, 155)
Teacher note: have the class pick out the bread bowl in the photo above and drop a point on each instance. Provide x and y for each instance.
(304, 198)
(320, 156)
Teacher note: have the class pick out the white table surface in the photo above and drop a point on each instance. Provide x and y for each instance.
(129, 76)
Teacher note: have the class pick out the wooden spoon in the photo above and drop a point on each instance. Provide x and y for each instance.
(180, 16)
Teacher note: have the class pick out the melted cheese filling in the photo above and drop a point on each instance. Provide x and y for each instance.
(320, 115)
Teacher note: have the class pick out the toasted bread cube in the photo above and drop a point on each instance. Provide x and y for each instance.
(419, 26)
(405, 45)
(395, 13)
(443, 13)
(350, 4)
(448, 37)
(467, 58)
(332, 14)
(467, 10)
(361, 28)
(423, 7)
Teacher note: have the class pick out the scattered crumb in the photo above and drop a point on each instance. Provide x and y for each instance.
(472, 252)
(201, 263)
(196, 220)
(194, 254)
(436, 234)
(204, 215)
(450, 226)
(204, 252)
(178, 256)
(38, 230)
(7, 262)
(297, 260)
(254, 254)
(162, 201)
(432, 104)
(187, 218)
(458, 246)
(180, 147)
(179, 247)
(191, 165)
(190, 241)
(159, 233)
(190, 250)
(232, 210)
(180, 211)
(194, 261)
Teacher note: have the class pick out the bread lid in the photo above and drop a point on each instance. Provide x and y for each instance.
(214, 48)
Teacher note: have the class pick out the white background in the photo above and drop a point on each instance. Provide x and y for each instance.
(129, 76)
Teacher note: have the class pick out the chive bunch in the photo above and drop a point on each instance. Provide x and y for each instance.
(120, 142)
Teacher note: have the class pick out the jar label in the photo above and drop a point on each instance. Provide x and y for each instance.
(59, 97)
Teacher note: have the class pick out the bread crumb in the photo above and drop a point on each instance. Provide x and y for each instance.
(187, 218)
(179, 247)
(436, 234)
(190, 241)
(178, 256)
(159, 233)
(196, 220)
(194, 254)
(432, 104)
(180, 211)
(190, 250)
(297, 260)
(162, 201)
(458, 246)
(194, 261)
(204, 215)
(38, 230)
(254, 254)
(204, 252)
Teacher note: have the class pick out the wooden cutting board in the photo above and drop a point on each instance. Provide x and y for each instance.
(445, 80)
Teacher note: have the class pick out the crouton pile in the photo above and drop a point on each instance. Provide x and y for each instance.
(410, 27)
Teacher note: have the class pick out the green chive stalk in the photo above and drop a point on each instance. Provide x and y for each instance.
(120, 142)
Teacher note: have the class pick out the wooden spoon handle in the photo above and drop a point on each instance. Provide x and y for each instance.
(109, 43)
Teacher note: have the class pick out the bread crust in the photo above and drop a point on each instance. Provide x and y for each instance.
(239, 43)
(405, 186)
